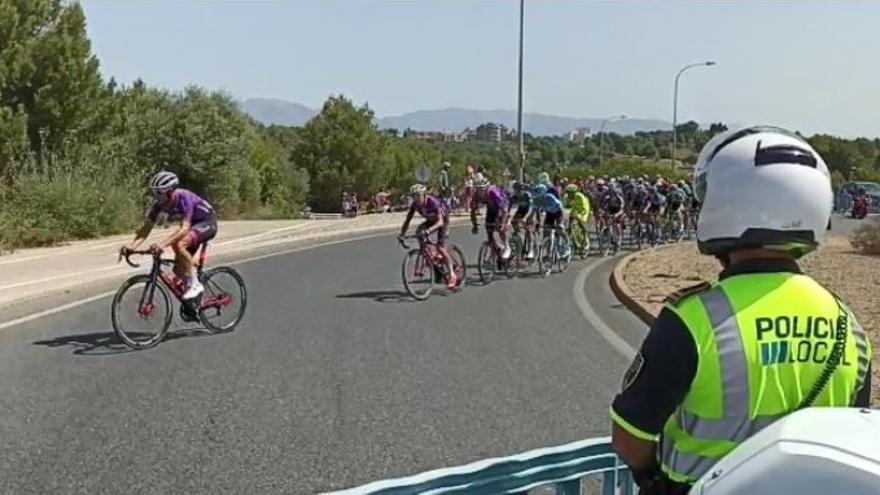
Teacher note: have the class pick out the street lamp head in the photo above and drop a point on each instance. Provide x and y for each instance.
(710, 63)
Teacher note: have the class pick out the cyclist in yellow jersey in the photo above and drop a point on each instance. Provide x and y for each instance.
(579, 207)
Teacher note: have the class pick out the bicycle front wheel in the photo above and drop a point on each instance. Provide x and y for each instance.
(546, 256)
(141, 312)
(459, 265)
(563, 251)
(486, 264)
(224, 301)
(418, 275)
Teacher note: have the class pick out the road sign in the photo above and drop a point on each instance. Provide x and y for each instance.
(506, 172)
(422, 173)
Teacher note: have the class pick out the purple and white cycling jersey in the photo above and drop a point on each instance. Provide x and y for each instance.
(185, 204)
(430, 209)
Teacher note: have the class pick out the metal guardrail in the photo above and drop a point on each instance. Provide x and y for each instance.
(587, 466)
(324, 216)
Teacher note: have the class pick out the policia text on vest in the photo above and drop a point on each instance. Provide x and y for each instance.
(795, 339)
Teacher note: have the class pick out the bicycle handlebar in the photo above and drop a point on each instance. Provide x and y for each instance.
(126, 254)
(403, 243)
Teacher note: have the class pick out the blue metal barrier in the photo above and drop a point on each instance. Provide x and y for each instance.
(587, 466)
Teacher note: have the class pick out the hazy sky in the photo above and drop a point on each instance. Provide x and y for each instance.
(810, 66)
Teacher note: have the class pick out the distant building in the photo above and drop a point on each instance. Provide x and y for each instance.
(492, 132)
(455, 137)
(579, 135)
(433, 136)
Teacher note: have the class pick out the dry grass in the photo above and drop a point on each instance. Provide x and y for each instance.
(867, 237)
(855, 277)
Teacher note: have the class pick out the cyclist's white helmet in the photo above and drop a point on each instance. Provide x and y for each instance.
(163, 182)
(417, 189)
(761, 187)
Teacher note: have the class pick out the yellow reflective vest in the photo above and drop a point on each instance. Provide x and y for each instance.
(763, 340)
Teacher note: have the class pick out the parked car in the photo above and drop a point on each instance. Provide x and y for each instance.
(843, 200)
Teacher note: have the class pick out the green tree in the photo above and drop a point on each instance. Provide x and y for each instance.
(48, 69)
(343, 151)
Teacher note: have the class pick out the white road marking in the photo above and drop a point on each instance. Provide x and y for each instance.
(593, 318)
(63, 252)
(59, 277)
(110, 268)
(262, 234)
(65, 307)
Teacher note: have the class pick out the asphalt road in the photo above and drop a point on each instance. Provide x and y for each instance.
(335, 378)
(845, 225)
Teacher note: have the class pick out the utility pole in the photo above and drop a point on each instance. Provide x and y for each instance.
(519, 127)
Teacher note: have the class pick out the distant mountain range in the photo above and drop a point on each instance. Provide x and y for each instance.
(271, 111)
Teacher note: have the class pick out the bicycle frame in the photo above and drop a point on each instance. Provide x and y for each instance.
(428, 249)
(173, 284)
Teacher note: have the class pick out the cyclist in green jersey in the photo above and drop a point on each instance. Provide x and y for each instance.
(579, 209)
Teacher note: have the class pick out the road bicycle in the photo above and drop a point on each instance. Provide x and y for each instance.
(490, 261)
(606, 234)
(639, 229)
(142, 309)
(554, 250)
(673, 227)
(425, 266)
(520, 247)
(580, 240)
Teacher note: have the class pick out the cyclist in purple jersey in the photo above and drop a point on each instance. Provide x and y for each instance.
(496, 213)
(436, 220)
(197, 225)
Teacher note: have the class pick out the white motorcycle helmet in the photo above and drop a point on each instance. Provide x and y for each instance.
(761, 187)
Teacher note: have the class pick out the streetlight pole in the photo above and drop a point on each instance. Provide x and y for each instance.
(519, 127)
(675, 105)
(602, 136)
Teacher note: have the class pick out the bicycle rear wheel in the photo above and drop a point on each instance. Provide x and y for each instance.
(512, 265)
(605, 240)
(486, 264)
(141, 312)
(418, 275)
(224, 301)
(579, 240)
(563, 251)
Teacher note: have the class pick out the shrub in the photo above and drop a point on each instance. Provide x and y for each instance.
(41, 211)
(867, 237)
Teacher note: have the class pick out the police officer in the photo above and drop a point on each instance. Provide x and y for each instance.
(723, 361)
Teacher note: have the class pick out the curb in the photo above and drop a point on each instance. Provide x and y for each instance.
(622, 291)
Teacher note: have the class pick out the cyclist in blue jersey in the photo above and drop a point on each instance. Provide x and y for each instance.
(548, 204)
(544, 178)
(436, 220)
(197, 225)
